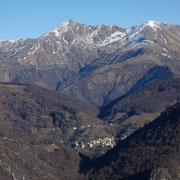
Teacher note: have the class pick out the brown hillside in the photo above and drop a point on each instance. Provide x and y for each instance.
(153, 151)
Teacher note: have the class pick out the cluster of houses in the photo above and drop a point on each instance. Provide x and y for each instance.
(94, 126)
(82, 127)
(102, 142)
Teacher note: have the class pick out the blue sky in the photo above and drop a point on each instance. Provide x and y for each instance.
(32, 18)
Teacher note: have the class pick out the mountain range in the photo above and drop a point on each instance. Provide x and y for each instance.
(94, 63)
(91, 102)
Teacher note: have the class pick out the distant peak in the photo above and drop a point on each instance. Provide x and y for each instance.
(68, 22)
(152, 23)
(65, 23)
(63, 27)
(155, 22)
(155, 25)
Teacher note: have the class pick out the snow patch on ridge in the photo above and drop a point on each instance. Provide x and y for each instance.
(113, 37)
(117, 35)
(13, 41)
(98, 36)
(134, 34)
(153, 24)
(60, 29)
(14, 52)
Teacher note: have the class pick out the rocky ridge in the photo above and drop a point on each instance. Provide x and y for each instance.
(95, 63)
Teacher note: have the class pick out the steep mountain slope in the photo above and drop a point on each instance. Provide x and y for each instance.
(37, 128)
(35, 125)
(153, 98)
(96, 63)
(59, 54)
(141, 59)
(42, 113)
(10, 48)
(24, 160)
(152, 152)
(141, 106)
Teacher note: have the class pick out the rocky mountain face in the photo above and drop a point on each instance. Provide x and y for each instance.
(152, 152)
(94, 63)
(10, 48)
(121, 68)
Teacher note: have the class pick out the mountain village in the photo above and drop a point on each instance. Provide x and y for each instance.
(102, 142)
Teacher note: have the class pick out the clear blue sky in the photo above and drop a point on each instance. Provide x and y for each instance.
(32, 18)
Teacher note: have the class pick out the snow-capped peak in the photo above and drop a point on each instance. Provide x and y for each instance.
(66, 24)
(61, 28)
(153, 24)
(102, 35)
